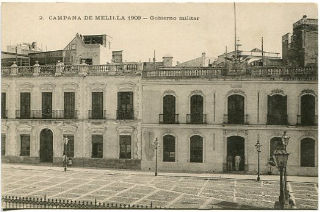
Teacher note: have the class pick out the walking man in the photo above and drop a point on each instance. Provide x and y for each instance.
(229, 161)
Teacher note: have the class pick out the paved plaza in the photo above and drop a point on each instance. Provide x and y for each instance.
(168, 190)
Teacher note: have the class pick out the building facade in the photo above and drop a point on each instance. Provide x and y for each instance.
(203, 117)
(96, 107)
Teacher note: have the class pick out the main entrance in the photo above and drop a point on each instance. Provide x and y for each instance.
(235, 147)
(46, 146)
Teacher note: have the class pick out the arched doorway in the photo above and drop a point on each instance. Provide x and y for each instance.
(307, 152)
(196, 109)
(235, 147)
(307, 110)
(277, 110)
(235, 109)
(46, 146)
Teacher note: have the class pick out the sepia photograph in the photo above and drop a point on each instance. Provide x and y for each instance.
(170, 105)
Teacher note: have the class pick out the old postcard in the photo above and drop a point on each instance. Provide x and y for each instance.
(159, 105)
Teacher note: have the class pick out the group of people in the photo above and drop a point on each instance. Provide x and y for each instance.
(236, 158)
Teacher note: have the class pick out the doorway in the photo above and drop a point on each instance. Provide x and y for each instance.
(235, 146)
(46, 146)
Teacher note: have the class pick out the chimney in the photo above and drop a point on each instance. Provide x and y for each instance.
(203, 59)
(167, 61)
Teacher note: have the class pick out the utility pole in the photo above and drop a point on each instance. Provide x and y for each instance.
(262, 51)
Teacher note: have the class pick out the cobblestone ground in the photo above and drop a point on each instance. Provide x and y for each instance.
(111, 186)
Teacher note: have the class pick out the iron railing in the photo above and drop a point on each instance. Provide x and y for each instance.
(50, 114)
(276, 120)
(238, 120)
(97, 114)
(196, 118)
(15, 202)
(125, 114)
(169, 118)
(303, 121)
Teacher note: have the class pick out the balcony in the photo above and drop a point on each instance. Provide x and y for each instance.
(313, 121)
(236, 119)
(39, 114)
(276, 120)
(196, 118)
(99, 114)
(125, 114)
(169, 118)
(4, 114)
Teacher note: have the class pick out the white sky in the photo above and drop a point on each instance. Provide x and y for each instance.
(183, 40)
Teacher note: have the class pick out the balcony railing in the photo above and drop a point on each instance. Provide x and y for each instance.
(263, 73)
(39, 114)
(125, 114)
(196, 118)
(276, 120)
(99, 114)
(312, 121)
(237, 119)
(4, 114)
(169, 118)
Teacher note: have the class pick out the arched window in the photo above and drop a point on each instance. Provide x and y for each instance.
(307, 152)
(196, 109)
(277, 110)
(235, 109)
(169, 148)
(169, 110)
(307, 110)
(196, 149)
(274, 143)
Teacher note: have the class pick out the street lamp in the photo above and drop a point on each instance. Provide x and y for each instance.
(258, 147)
(156, 144)
(65, 142)
(280, 156)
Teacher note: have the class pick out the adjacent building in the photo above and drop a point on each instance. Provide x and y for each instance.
(301, 47)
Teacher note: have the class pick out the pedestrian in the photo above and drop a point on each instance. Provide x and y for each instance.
(229, 161)
(237, 160)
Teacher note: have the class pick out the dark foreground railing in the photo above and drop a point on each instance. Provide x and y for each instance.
(14, 202)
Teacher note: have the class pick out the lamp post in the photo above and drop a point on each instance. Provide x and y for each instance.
(285, 142)
(156, 144)
(65, 143)
(280, 156)
(258, 147)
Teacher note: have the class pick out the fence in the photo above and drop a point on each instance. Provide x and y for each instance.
(14, 202)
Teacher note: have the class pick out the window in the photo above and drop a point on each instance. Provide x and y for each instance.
(196, 149)
(25, 145)
(307, 151)
(125, 147)
(3, 106)
(169, 148)
(97, 146)
(125, 105)
(277, 110)
(235, 109)
(196, 109)
(169, 110)
(46, 105)
(73, 46)
(274, 143)
(97, 105)
(24, 105)
(69, 105)
(69, 149)
(3, 145)
(307, 110)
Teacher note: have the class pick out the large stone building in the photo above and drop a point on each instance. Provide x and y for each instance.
(200, 116)
(96, 107)
(301, 47)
